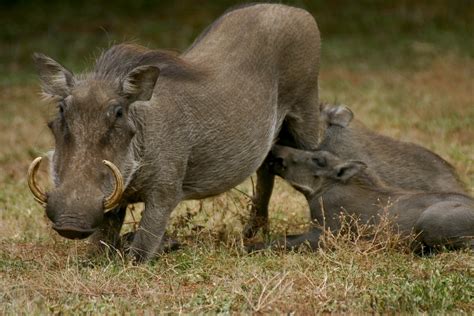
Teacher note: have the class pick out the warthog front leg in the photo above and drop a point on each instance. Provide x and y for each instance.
(259, 209)
(109, 231)
(148, 237)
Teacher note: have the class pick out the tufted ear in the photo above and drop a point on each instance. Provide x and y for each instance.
(139, 84)
(340, 115)
(347, 170)
(56, 80)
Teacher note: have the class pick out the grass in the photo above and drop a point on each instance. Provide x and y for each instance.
(405, 69)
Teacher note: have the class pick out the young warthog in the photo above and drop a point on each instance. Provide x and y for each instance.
(396, 163)
(349, 186)
(172, 127)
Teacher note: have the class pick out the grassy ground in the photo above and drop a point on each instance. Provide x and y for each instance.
(405, 69)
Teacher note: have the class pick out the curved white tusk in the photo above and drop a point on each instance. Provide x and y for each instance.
(39, 195)
(114, 198)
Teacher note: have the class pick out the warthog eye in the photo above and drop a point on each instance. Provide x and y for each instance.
(118, 112)
(320, 162)
(279, 164)
(61, 106)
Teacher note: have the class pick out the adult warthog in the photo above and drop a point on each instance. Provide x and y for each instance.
(171, 127)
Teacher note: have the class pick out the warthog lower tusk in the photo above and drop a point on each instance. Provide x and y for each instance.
(39, 195)
(110, 202)
(114, 198)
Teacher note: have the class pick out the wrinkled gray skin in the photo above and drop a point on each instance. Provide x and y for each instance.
(181, 127)
(348, 186)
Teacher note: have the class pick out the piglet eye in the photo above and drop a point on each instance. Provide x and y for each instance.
(61, 107)
(118, 112)
(320, 162)
(279, 163)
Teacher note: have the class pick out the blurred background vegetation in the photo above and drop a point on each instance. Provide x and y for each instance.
(356, 34)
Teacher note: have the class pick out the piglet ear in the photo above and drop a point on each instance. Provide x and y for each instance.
(139, 84)
(340, 115)
(56, 80)
(347, 170)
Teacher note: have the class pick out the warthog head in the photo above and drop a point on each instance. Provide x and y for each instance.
(312, 172)
(93, 131)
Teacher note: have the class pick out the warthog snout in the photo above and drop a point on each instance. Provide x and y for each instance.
(75, 214)
(76, 211)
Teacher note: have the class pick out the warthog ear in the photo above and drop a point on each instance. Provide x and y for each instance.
(339, 115)
(347, 170)
(138, 85)
(56, 80)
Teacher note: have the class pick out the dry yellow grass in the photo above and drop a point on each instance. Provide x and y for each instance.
(42, 272)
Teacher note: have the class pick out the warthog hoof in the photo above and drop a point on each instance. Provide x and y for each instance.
(168, 244)
(254, 225)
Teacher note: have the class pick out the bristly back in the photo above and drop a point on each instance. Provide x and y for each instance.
(116, 62)
(216, 23)
(369, 180)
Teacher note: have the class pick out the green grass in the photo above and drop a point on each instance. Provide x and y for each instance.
(406, 71)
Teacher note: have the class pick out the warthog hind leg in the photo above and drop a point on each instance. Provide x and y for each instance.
(259, 209)
(291, 242)
(448, 223)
